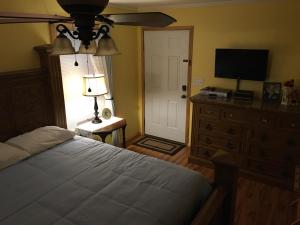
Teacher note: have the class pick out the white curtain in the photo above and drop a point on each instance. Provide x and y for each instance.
(103, 65)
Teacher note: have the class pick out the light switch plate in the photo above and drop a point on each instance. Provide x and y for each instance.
(197, 82)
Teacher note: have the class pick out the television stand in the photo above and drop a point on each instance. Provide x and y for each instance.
(242, 95)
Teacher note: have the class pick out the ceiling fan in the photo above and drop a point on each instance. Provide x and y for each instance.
(84, 14)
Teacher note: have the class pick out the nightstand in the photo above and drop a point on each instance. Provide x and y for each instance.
(103, 129)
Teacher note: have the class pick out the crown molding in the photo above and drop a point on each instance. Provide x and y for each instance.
(160, 6)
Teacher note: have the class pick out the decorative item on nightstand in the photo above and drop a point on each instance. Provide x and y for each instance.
(94, 86)
(106, 113)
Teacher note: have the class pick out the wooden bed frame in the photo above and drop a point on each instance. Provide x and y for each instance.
(34, 98)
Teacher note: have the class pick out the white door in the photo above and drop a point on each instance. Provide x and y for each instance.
(166, 76)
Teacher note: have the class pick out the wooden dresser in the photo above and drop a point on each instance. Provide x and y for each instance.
(266, 137)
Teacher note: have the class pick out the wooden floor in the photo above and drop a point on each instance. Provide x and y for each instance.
(257, 203)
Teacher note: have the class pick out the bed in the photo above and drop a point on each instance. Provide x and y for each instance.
(84, 182)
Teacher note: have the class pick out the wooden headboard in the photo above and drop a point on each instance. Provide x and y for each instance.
(25, 102)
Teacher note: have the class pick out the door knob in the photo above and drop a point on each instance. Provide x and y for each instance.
(183, 96)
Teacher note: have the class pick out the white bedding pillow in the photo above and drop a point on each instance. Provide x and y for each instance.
(10, 155)
(41, 139)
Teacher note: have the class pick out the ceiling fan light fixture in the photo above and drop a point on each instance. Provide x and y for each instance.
(107, 47)
(92, 49)
(62, 46)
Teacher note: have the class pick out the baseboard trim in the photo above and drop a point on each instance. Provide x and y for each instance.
(133, 139)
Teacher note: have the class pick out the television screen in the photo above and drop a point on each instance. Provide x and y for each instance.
(244, 64)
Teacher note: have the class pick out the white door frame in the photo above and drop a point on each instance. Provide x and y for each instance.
(189, 78)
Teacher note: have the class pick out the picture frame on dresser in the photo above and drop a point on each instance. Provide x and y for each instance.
(272, 92)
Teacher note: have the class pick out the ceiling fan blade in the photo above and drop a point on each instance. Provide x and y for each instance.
(8, 17)
(151, 19)
(9, 21)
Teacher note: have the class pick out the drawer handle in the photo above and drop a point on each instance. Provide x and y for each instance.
(231, 131)
(209, 112)
(259, 167)
(284, 173)
(208, 127)
(264, 138)
(230, 145)
(291, 142)
(293, 125)
(288, 157)
(264, 120)
(230, 115)
(208, 141)
(206, 153)
(262, 152)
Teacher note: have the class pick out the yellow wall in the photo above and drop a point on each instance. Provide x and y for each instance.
(268, 24)
(125, 73)
(272, 25)
(17, 42)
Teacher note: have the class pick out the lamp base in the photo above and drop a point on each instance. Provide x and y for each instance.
(96, 120)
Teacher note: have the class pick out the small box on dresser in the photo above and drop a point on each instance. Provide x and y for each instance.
(266, 137)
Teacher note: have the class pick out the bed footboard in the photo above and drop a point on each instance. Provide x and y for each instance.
(220, 206)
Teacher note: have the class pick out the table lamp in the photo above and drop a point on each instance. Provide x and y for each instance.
(94, 86)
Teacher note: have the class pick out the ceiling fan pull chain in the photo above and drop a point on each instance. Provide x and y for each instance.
(76, 62)
(74, 42)
(87, 63)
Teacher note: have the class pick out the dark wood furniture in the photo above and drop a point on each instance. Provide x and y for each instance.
(87, 129)
(28, 101)
(25, 102)
(265, 136)
(294, 213)
(51, 64)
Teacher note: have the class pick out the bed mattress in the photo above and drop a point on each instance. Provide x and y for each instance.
(85, 182)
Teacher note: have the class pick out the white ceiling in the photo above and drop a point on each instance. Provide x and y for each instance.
(172, 3)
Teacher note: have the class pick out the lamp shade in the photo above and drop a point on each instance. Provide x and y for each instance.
(62, 46)
(91, 50)
(107, 47)
(94, 85)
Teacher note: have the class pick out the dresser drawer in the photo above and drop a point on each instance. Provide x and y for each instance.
(279, 154)
(231, 145)
(268, 169)
(220, 128)
(234, 115)
(209, 111)
(264, 119)
(275, 138)
(203, 151)
(265, 137)
(249, 116)
(291, 122)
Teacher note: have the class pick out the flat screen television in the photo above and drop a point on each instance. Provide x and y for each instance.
(241, 64)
